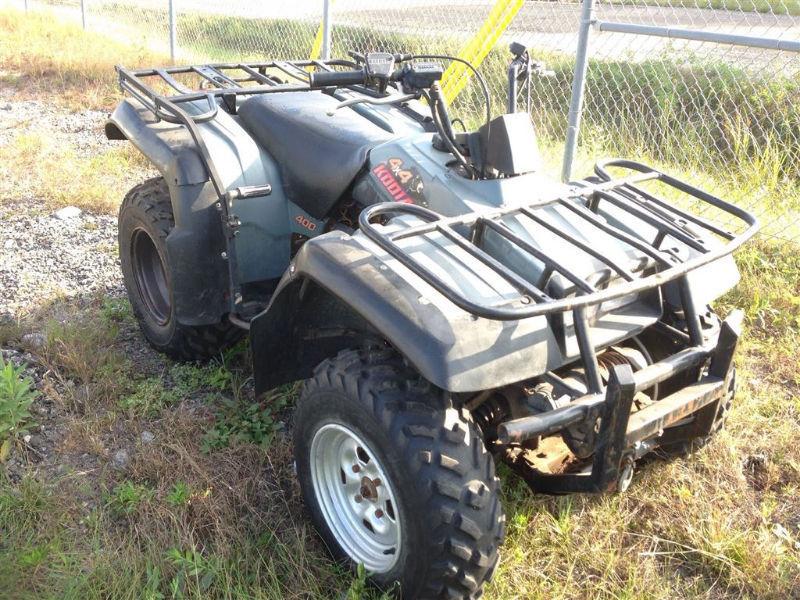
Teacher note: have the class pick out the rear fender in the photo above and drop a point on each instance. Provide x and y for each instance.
(195, 245)
(263, 240)
(168, 146)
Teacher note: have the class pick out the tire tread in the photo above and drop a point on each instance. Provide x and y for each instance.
(151, 200)
(451, 463)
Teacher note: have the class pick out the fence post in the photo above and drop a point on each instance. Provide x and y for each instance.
(578, 86)
(83, 14)
(326, 29)
(173, 33)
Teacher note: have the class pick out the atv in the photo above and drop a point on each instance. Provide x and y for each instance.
(447, 304)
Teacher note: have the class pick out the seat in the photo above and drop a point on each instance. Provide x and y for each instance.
(319, 155)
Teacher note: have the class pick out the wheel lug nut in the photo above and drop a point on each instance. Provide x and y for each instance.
(376, 482)
(359, 498)
(356, 468)
(379, 513)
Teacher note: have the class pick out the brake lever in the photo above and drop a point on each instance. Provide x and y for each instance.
(367, 100)
(356, 56)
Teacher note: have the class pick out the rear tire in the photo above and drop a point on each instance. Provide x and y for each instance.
(145, 220)
(446, 521)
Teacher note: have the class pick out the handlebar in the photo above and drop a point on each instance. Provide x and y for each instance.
(320, 79)
(378, 71)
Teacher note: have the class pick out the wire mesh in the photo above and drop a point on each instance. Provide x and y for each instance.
(725, 117)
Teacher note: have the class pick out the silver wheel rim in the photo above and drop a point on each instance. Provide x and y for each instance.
(356, 497)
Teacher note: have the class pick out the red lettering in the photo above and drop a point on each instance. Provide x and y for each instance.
(390, 184)
(305, 222)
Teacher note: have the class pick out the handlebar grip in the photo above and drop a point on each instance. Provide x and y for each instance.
(329, 78)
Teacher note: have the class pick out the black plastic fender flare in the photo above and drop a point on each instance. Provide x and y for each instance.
(336, 278)
(196, 244)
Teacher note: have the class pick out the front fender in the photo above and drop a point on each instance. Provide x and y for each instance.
(448, 346)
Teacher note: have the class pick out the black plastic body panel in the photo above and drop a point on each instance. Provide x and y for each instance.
(512, 147)
(195, 245)
(194, 248)
(168, 146)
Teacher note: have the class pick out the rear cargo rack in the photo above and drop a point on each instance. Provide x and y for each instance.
(221, 80)
(582, 200)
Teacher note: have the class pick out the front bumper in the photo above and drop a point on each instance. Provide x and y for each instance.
(624, 436)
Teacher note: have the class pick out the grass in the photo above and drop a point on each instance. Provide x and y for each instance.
(60, 62)
(16, 396)
(209, 508)
(61, 176)
(186, 520)
(694, 115)
(724, 128)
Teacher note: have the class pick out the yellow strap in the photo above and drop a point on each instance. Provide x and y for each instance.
(316, 47)
(477, 49)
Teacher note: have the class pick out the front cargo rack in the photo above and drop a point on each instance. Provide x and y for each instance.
(622, 435)
(582, 200)
(624, 193)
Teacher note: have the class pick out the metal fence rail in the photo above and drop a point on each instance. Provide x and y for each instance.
(709, 89)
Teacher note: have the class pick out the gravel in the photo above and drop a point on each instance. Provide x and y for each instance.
(49, 257)
(121, 459)
(67, 213)
(52, 259)
(34, 340)
(81, 131)
(47, 253)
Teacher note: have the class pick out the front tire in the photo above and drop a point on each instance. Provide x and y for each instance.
(433, 522)
(145, 221)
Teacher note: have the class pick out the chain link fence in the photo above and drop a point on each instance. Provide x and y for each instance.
(724, 115)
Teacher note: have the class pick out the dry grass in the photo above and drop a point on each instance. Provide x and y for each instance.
(44, 58)
(723, 523)
(38, 165)
(58, 63)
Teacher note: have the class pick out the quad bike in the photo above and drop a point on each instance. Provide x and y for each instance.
(447, 304)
